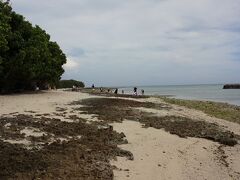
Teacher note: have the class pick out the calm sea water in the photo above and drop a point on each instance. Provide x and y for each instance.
(196, 92)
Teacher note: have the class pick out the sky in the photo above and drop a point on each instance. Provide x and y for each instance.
(142, 42)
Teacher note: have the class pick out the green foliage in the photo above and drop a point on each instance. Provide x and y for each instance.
(69, 83)
(219, 110)
(27, 56)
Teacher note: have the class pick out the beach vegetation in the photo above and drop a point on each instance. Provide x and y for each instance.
(219, 110)
(116, 110)
(67, 150)
(69, 84)
(28, 58)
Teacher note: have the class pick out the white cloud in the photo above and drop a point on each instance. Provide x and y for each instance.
(143, 41)
(72, 63)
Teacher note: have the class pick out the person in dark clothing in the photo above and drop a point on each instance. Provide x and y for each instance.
(93, 86)
(116, 91)
(135, 90)
(142, 91)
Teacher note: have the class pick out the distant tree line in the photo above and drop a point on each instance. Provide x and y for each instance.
(69, 84)
(27, 56)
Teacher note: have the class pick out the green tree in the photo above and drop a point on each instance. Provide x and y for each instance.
(28, 57)
(4, 32)
(69, 83)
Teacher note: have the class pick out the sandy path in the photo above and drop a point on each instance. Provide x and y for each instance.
(45, 102)
(160, 155)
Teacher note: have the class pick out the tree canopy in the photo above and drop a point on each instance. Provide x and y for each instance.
(69, 83)
(27, 56)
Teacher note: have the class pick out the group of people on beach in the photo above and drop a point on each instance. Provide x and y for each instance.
(135, 92)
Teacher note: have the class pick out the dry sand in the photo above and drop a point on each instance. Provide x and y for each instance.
(45, 102)
(157, 154)
(160, 155)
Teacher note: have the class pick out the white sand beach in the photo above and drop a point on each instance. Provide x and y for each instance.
(157, 153)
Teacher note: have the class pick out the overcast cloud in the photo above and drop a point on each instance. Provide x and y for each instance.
(143, 42)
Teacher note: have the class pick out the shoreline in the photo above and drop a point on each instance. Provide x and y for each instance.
(205, 100)
(97, 91)
(209, 92)
(117, 137)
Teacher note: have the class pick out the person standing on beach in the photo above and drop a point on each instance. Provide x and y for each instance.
(142, 92)
(135, 91)
(116, 91)
(122, 91)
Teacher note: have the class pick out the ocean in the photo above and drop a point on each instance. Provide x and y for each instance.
(194, 92)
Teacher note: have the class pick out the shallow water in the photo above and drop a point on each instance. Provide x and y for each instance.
(196, 92)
